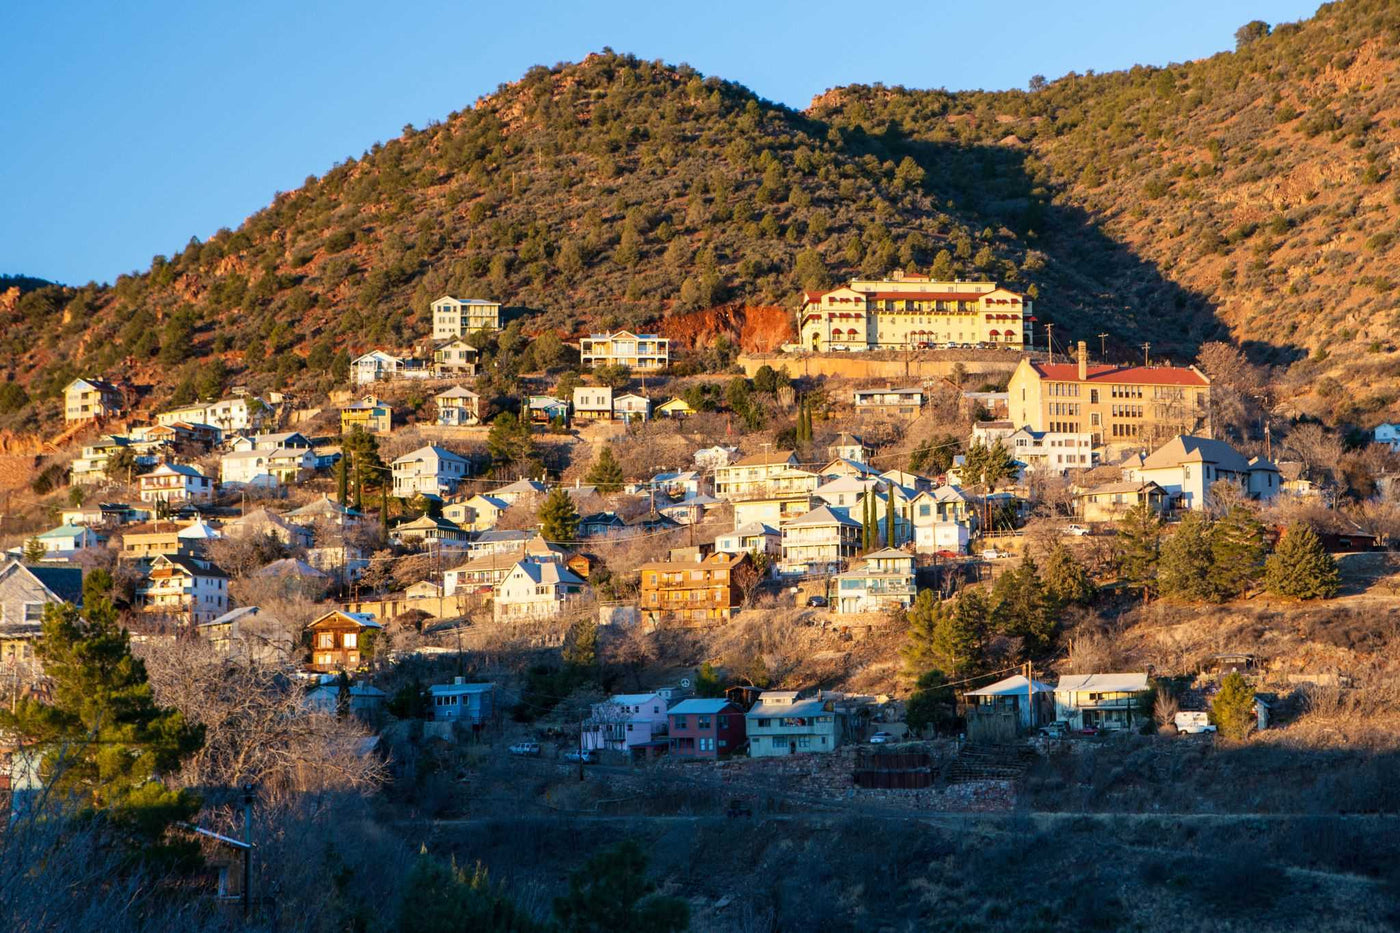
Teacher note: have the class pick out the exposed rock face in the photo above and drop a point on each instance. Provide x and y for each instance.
(755, 328)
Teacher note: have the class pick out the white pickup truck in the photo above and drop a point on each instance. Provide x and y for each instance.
(1193, 723)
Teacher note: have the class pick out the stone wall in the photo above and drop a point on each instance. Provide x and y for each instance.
(895, 368)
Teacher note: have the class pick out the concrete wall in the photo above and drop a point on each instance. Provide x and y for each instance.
(862, 366)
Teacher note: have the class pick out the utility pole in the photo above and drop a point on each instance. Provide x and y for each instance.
(247, 852)
(1030, 695)
(580, 748)
(1050, 341)
(1103, 347)
(1145, 348)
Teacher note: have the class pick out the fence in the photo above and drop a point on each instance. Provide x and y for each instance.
(893, 770)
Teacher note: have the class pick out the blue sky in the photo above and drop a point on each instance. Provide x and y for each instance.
(126, 128)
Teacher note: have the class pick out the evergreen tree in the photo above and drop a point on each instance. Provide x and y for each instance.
(384, 508)
(957, 643)
(1300, 568)
(581, 644)
(1020, 607)
(510, 442)
(102, 739)
(889, 518)
(932, 703)
(707, 683)
(342, 480)
(1140, 546)
(1232, 710)
(611, 892)
(1237, 552)
(1066, 580)
(1184, 567)
(97, 585)
(558, 517)
(920, 652)
(606, 472)
(441, 898)
(34, 551)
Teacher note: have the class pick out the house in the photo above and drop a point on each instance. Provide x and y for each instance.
(712, 458)
(264, 521)
(781, 723)
(376, 366)
(841, 468)
(1013, 704)
(291, 440)
(361, 700)
(499, 541)
(880, 499)
(455, 357)
(66, 539)
(190, 588)
(883, 581)
(470, 704)
(691, 510)
(297, 571)
(368, 414)
(1113, 404)
(544, 409)
(889, 400)
(754, 476)
(599, 523)
(479, 513)
(344, 562)
(684, 484)
(846, 492)
(819, 542)
(1107, 502)
(907, 311)
(323, 509)
(1102, 701)
(1186, 467)
(1053, 451)
(180, 436)
(91, 399)
(674, 408)
(631, 407)
(426, 528)
(24, 592)
(773, 510)
(1388, 434)
(650, 523)
(534, 590)
(175, 482)
(932, 511)
(458, 317)
(342, 641)
(708, 590)
(457, 407)
(91, 467)
(593, 403)
(282, 466)
(165, 537)
(249, 634)
(429, 471)
(704, 729)
(482, 574)
(638, 352)
(520, 489)
(988, 433)
(229, 415)
(848, 447)
(752, 538)
(624, 721)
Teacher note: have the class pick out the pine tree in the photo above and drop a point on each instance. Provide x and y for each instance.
(1300, 568)
(925, 618)
(612, 892)
(1020, 607)
(1066, 580)
(1140, 543)
(1237, 552)
(1184, 567)
(558, 517)
(606, 472)
(34, 551)
(1232, 710)
(581, 643)
(102, 739)
(957, 643)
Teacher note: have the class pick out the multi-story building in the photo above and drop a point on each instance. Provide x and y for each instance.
(640, 352)
(706, 590)
(430, 470)
(704, 728)
(455, 357)
(908, 311)
(175, 482)
(630, 407)
(755, 475)
(593, 403)
(535, 590)
(237, 413)
(342, 641)
(282, 466)
(368, 414)
(458, 407)
(819, 542)
(884, 581)
(90, 399)
(192, 589)
(91, 467)
(1113, 404)
(381, 366)
(781, 723)
(752, 538)
(1052, 451)
(457, 317)
(1187, 467)
(624, 721)
(889, 401)
(1102, 701)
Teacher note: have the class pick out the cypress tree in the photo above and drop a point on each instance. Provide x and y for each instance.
(1300, 568)
(342, 480)
(384, 508)
(889, 517)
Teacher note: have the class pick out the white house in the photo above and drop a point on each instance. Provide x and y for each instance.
(520, 489)
(430, 471)
(631, 407)
(458, 406)
(943, 519)
(638, 352)
(1187, 466)
(755, 475)
(1102, 701)
(194, 590)
(237, 413)
(378, 365)
(818, 542)
(458, 317)
(753, 538)
(712, 458)
(68, 538)
(269, 468)
(1052, 451)
(883, 581)
(1032, 702)
(781, 723)
(459, 701)
(534, 590)
(593, 403)
(1389, 434)
(175, 482)
(889, 400)
(625, 720)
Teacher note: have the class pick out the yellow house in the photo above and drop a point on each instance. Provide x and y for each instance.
(908, 311)
(368, 413)
(674, 408)
(90, 399)
(1115, 404)
(643, 352)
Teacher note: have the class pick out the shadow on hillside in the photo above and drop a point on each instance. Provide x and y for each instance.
(1091, 283)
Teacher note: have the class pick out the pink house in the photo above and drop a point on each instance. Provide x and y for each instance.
(626, 721)
(705, 728)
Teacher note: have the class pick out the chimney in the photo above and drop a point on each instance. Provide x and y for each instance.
(1083, 361)
(458, 681)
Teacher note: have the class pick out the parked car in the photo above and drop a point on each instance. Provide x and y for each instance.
(994, 553)
(882, 738)
(816, 602)
(1193, 722)
(1077, 530)
(531, 749)
(1055, 730)
(575, 754)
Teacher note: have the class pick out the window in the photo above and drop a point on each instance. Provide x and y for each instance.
(702, 722)
(707, 745)
(33, 612)
(350, 640)
(325, 640)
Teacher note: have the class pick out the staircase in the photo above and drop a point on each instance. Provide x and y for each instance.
(990, 763)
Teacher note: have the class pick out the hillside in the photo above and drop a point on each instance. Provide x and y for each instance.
(1260, 184)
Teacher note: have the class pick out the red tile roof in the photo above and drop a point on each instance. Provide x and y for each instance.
(1132, 375)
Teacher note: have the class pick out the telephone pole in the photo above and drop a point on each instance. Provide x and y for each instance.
(1145, 348)
(1050, 341)
(1103, 347)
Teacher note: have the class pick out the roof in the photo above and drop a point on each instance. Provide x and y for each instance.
(890, 391)
(502, 536)
(365, 619)
(1132, 375)
(63, 531)
(1187, 449)
(691, 707)
(233, 615)
(821, 515)
(198, 530)
(1118, 487)
(479, 302)
(66, 583)
(753, 528)
(762, 710)
(492, 501)
(177, 468)
(548, 573)
(1011, 686)
(630, 699)
(1102, 683)
(519, 486)
(718, 560)
(322, 506)
(441, 453)
(195, 568)
(102, 385)
(427, 521)
(291, 567)
(440, 689)
(887, 554)
(766, 458)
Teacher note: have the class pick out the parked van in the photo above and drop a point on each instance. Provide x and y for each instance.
(1194, 722)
